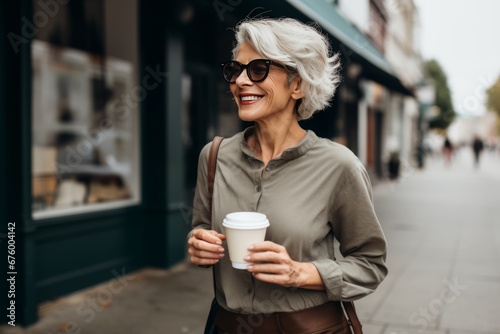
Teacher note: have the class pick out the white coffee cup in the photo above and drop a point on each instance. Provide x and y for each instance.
(242, 230)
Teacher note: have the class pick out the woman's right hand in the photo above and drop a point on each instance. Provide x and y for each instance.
(205, 247)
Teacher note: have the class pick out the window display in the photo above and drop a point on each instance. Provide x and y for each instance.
(85, 112)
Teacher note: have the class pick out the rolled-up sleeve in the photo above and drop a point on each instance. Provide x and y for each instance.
(361, 241)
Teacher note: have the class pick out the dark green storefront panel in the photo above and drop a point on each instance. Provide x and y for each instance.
(69, 256)
(176, 227)
(13, 152)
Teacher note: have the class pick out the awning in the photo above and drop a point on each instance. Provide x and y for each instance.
(351, 40)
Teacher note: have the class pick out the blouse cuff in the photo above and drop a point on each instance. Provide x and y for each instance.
(331, 273)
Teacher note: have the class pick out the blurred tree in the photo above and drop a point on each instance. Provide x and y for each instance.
(493, 95)
(442, 96)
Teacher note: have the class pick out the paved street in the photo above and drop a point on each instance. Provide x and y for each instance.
(443, 230)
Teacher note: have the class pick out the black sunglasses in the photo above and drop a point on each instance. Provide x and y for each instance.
(257, 69)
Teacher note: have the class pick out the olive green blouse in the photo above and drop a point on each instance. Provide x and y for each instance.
(311, 194)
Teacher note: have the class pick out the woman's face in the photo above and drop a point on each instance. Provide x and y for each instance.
(265, 100)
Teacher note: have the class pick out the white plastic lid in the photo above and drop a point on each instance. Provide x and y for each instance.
(245, 220)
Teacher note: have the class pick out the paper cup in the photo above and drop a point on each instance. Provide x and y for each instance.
(242, 230)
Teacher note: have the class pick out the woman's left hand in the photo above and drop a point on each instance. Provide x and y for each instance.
(271, 263)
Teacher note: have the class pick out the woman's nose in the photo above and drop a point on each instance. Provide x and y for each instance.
(243, 79)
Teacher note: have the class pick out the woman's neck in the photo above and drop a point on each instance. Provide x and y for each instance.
(271, 139)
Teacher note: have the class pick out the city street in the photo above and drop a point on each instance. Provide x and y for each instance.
(443, 230)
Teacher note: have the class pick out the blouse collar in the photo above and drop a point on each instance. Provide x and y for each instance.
(289, 154)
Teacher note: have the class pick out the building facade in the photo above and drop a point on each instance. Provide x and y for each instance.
(388, 117)
(104, 108)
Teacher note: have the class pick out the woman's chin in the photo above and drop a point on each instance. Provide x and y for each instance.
(247, 116)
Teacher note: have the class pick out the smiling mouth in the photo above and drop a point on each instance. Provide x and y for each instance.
(250, 98)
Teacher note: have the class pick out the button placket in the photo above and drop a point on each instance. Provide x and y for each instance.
(264, 175)
(258, 182)
(257, 188)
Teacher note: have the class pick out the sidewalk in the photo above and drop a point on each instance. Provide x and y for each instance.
(152, 301)
(443, 230)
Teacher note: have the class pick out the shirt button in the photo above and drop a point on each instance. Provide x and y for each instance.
(258, 189)
(249, 291)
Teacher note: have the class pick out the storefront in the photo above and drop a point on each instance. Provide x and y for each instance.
(105, 105)
(93, 148)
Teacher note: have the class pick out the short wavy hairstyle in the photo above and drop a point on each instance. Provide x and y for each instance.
(300, 46)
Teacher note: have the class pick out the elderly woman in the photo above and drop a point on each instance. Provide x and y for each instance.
(311, 189)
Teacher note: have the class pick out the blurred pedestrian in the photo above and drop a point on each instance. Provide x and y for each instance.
(447, 150)
(311, 189)
(477, 147)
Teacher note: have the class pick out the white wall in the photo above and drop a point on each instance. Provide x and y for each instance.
(409, 133)
(401, 48)
(356, 11)
(362, 127)
(401, 51)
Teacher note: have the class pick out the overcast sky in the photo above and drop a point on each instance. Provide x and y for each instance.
(464, 37)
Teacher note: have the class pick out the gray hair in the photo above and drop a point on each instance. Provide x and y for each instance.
(301, 47)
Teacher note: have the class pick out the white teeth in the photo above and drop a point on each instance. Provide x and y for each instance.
(250, 98)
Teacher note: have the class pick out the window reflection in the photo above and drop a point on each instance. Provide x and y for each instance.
(85, 129)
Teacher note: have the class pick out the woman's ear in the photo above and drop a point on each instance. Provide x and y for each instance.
(296, 89)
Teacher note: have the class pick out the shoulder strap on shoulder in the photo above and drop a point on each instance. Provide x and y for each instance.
(212, 165)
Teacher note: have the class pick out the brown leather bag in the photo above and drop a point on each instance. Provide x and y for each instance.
(352, 317)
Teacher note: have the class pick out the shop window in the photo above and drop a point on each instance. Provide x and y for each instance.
(85, 108)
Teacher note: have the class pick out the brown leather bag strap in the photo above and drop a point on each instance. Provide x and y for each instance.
(212, 165)
(352, 318)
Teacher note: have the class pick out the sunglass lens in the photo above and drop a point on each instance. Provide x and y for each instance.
(258, 70)
(231, 71)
